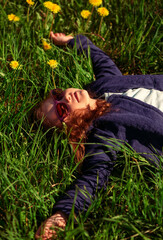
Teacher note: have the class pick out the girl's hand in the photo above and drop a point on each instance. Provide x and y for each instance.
(49, 228)
(60, 38)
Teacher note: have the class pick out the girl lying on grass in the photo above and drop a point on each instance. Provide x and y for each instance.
(128, 109)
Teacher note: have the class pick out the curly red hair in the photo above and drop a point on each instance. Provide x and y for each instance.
(77, 124)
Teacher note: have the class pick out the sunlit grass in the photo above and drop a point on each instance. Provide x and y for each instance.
(36, 167)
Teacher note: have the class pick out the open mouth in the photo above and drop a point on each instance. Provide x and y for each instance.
(76, 96)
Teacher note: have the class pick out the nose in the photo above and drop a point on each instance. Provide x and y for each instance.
(66, 98)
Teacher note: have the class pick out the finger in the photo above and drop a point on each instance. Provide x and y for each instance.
(52, 34)
(48, 234)
(54, 37)
(57, 34)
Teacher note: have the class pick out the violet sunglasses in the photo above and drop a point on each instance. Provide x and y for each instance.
(61, 108)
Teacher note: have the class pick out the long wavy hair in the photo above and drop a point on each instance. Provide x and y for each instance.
(77, 125)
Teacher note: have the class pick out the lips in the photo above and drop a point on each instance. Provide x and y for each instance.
(76, 96)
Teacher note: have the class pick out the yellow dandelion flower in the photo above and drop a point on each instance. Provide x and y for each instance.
(30, 2)
(13, 17)
(15, 65)
(53, 63)
(95, 3)
(48, 4)
(16, 19)
(103, 11)
(85, 14)
(46, 45)
(55, 8)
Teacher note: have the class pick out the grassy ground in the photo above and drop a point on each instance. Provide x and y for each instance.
(35, 168)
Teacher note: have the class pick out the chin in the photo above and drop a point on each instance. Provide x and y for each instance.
(85, 96)
(85, 93)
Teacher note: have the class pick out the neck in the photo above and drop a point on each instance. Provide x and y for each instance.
(93, 104)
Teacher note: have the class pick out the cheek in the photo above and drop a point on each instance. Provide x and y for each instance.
(79, 106)
(73, 107)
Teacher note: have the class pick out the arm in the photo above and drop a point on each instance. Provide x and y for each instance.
(103, 66)
(105, 69)
(84, 189)
(97, 168)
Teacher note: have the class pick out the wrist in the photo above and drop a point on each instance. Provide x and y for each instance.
(61, 214)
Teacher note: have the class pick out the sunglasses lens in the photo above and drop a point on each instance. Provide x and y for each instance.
(62, 110)
(57, 94)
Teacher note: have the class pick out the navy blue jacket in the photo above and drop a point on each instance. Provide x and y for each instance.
(130, 122)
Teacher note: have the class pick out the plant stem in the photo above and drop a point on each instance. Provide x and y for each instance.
(52, 24)
(99, 30)
(89, 18)
(53, 78)
(5, 4)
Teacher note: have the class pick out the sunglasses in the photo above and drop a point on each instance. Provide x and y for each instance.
(61, 108)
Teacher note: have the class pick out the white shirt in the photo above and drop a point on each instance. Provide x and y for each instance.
(150, 96)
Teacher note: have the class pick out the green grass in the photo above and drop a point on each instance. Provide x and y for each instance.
(35, 168)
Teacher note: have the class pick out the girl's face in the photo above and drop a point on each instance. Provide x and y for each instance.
(73, 98)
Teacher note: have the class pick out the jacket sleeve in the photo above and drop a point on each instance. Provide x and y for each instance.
(97, 168)
(103, 66)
